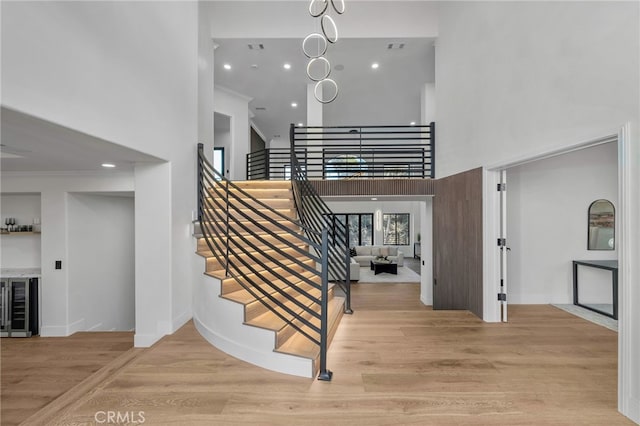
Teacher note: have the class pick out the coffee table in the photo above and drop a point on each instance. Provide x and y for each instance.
(379, 267)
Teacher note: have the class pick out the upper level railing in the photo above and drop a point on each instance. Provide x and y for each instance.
(350, 152)
(278, 268)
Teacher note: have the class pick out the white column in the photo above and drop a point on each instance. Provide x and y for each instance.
(55, 282)
(153, 252)
(428, 103)
(314, 108)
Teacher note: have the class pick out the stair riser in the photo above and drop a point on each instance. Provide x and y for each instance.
(259, 193)
(249, 227)
(276, 203)
(288, 331)
(255, 309)
(230, 285)
(245, 214)
(260, 242)
(213, 264)
(263, 184)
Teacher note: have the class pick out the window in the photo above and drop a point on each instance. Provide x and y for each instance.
(344, 166)
(395, 229)
(359, 226)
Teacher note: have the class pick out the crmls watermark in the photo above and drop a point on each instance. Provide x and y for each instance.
(119, 417)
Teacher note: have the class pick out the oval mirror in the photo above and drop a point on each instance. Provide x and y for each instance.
(317, 7)
(326, 91)
(318, 68)
(338, 6)
(314, 45)
(329, 28)
(601, 234)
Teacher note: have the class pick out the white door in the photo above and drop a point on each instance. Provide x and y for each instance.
(503, 246)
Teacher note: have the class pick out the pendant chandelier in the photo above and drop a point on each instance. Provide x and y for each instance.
(315, 46)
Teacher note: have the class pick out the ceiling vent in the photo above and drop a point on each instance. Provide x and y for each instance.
(395, 46)
(258, 46)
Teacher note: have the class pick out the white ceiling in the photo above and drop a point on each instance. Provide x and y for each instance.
(32, 144)
(388, 95)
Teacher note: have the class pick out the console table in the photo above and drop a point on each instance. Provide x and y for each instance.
(609, 265)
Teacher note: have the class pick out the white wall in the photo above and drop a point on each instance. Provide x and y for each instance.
(287, 19)
(515, 78)
(135, 86)
(53, 189)
(547, 203)
(236, 106)
(20, 251)
(518, 79)
(101, 262)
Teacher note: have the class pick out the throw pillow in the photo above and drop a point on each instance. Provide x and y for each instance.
(384, 251)
(352, 252)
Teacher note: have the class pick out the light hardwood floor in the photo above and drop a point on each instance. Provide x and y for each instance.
(38, 370)
(394, 362)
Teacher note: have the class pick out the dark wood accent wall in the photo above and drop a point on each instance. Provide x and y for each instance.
(457, 242)
(374, 187)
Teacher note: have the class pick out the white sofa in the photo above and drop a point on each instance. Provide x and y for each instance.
(354, 271)
(365, 254)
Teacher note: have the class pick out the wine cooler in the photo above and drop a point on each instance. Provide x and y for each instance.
(19, 307)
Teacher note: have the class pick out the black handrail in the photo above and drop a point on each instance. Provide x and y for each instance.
(352, 152)
(316, 215)
(282, 276)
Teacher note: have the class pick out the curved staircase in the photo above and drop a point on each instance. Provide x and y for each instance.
(261, 299)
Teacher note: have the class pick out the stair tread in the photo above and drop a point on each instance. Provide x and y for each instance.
(299, 345)
(270, 321)
(263, 183)
(243, 296)
(260, 251)
(256, 308)
(220, 273)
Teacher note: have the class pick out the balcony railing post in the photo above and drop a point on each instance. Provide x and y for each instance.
(347, 296)
(200, 179)
(226, 227)
(432, 137)
(324, 374)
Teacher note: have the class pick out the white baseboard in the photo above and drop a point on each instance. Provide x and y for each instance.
(96, 327)
(181, 320)
(145, 340)
(270, 360)
(76, 326)
(54, 331)
(633, 408)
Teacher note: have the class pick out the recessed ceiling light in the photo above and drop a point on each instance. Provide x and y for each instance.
(108, 165)
(294, 105)
(287, 66)
(375, 65)
(413, 123)
(227, 66)
(254, 66)
(300, 124)
(374, 199)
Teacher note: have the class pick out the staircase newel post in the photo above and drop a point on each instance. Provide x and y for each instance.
(432, 134)
(324, 374)
(200, 184)
(347, 263)
(226, 228)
